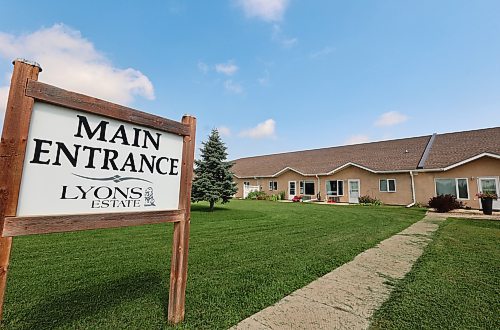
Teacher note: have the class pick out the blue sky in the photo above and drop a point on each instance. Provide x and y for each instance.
(272, 75)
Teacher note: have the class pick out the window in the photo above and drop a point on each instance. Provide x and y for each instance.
(388, 185)
(309, 188)
(301, 187)
(456, 187)
(273, 185)
(246, 183)
(463, 189)
(291, 186)
(335, 188)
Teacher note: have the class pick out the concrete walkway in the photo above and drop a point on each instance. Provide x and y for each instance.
(347, 297)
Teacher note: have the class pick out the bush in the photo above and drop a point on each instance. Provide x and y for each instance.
(260, 195)
(282, 195)
(444, 203)
(367, 200)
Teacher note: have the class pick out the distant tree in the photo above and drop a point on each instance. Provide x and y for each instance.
(213, 180)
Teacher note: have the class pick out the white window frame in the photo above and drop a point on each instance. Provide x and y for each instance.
(294, 188)
(273, 185)
(304, 187)
(343, 188)
(388, 191)
(456, 187)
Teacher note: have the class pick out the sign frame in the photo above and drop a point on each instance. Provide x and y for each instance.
(24, 91)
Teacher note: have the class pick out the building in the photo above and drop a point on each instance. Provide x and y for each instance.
(398, 172)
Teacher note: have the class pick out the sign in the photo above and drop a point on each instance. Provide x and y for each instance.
(96, 165)
(73, 162)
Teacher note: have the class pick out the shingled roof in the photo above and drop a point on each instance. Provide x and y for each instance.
(452, 148)
(392, 155)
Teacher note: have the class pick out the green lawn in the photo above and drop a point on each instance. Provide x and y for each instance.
(454, 285)
(243, 257)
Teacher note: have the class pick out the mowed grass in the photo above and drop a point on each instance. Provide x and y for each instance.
(454, 285)
(243, 257)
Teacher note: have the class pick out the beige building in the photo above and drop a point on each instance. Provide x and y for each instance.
(398, 172)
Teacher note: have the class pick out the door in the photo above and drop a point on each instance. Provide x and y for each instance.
(490, 185)
(353, 191)
(291, 189)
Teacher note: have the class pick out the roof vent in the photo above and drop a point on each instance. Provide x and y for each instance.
(406, 151)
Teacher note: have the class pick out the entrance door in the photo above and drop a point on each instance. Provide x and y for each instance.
(353, 191)
(490, 185)
(291, 189)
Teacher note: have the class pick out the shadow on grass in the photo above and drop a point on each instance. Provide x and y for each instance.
(206, 208)
(66, 309)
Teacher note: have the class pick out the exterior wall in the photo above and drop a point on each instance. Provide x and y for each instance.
(369, 185)
(425, 187)
(369, 182)
(288, 176)
(239, 183)
(282, 180)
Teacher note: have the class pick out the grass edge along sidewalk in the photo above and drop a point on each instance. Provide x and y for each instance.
(454, 285)
(347, 297)
(243, 257)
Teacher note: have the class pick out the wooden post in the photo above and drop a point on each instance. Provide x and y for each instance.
(180, 242)
(12, 151)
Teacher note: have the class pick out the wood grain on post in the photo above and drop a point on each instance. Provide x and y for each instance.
(12, 151)
(20, 226)
(180, 242)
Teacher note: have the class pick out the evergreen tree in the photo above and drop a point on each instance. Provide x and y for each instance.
(213, 180)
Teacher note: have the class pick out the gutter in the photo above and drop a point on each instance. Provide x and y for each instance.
(413, 198)
(318, 195)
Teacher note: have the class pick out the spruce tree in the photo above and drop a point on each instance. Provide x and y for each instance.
(213, 180)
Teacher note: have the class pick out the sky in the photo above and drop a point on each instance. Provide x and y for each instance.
(271, 75)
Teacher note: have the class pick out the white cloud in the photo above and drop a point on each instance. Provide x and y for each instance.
(262, 130)
(71, 62)
(289, 42)
(356, 139)
(228, 68)
(284, 40)
(264, 80)
(391, 118)
(321, 53)
(224, 131)
(233, 87)
(267, 10)
(203, 67)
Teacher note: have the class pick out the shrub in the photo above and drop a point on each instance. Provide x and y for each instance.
(444, 203)
(282, 195)
(367, 200)
(260, 195)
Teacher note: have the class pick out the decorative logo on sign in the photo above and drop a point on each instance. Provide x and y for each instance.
(148, 197)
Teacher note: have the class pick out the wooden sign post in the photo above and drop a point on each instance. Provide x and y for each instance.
(72, 162)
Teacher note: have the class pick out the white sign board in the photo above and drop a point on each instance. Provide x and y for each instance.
(80, 163)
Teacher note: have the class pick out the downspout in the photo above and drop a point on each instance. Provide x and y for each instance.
(413, 198)
(318, 195)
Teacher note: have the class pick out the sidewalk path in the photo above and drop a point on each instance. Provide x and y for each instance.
(347, 297)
